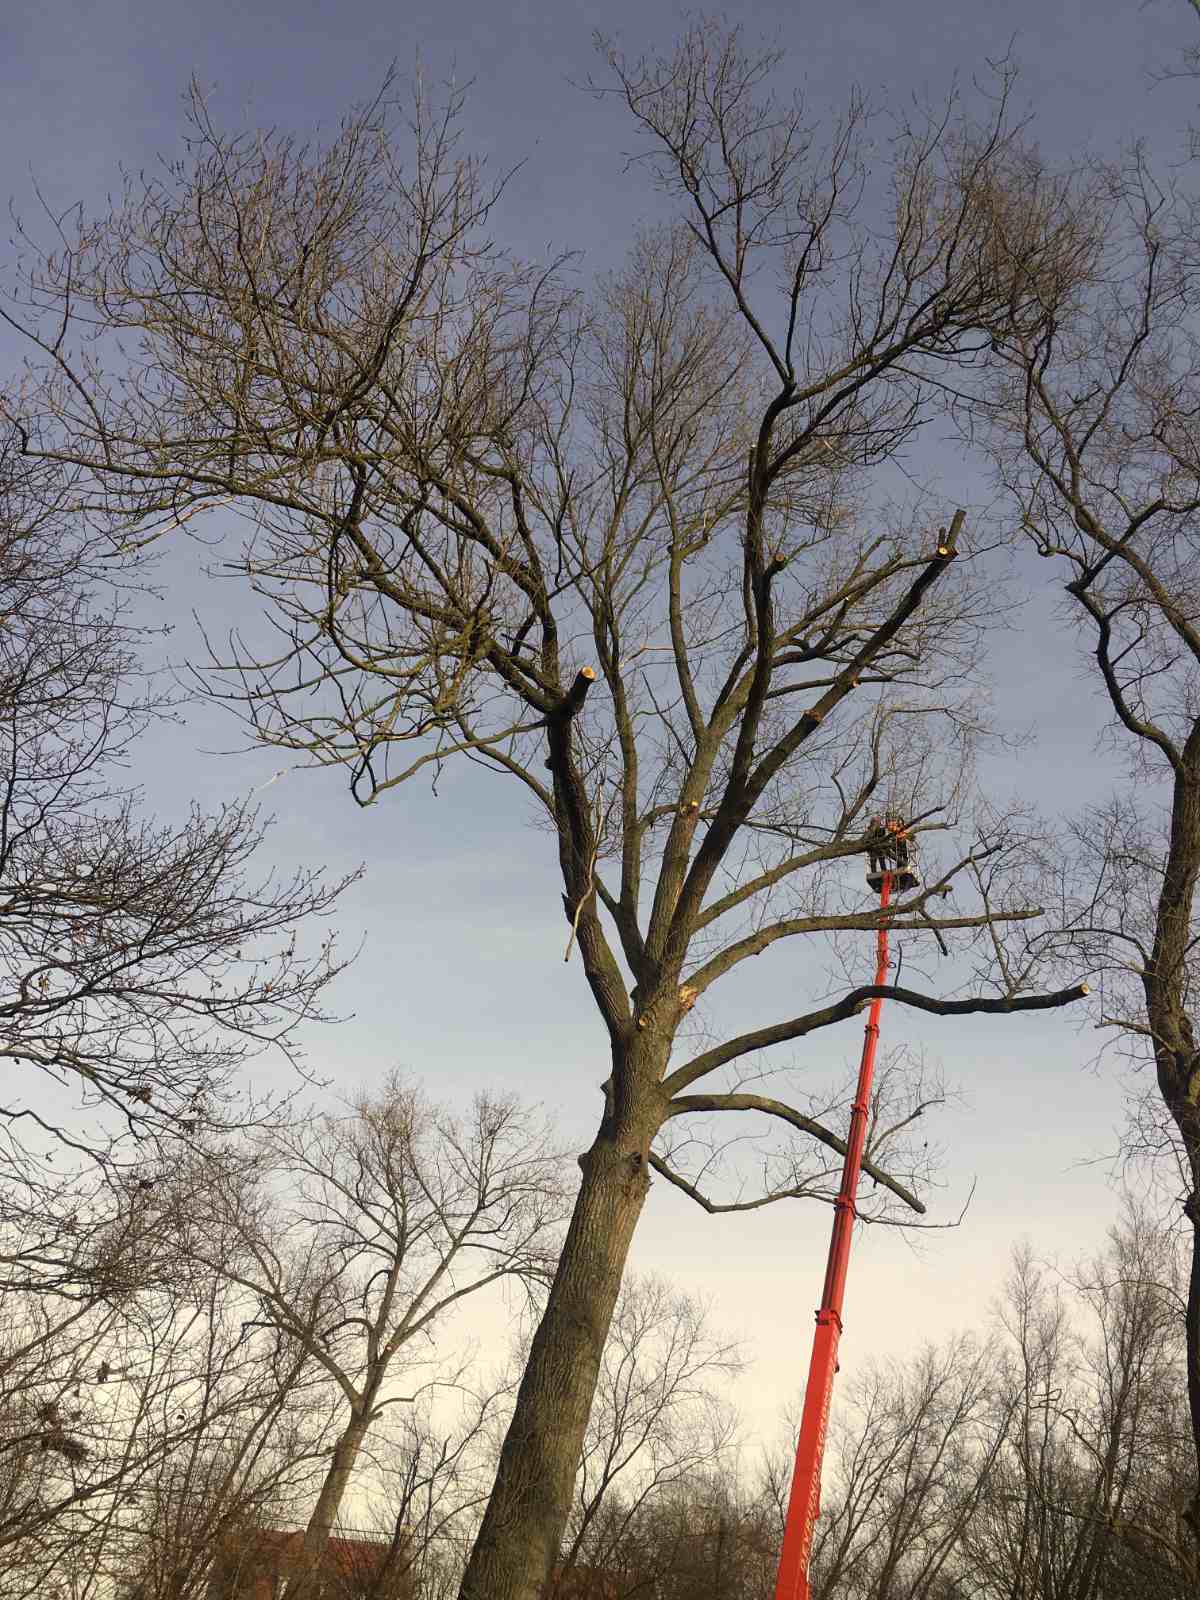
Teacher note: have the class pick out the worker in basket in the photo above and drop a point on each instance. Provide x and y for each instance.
(889, 849)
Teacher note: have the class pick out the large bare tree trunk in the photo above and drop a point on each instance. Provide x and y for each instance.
(1187, 1119)
(521, 1535)
(1176, 1057)
(1192, 1326)
(306, 1573)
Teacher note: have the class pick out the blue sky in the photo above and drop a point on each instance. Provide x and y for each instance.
(462, 980)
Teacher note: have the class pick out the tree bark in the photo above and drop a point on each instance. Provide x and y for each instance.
(1191, 1140)
(1176, 1057)
(520, 1538)
(306, 1572)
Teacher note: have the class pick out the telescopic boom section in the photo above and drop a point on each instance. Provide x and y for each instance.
(804, 1502)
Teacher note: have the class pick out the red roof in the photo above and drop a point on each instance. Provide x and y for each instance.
(582, 1583)
(255, 1559)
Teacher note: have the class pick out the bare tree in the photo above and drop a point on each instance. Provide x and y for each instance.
(1093, 428)
(433, 1470)
(141, 963)
(915, 1450)
(464, 479)
(1091, 1487)
(1044, 1462)
(115, 1397)
(707, 1535)
(657, 1420)
(355, 1235)
(253, 1465)
(142, 968)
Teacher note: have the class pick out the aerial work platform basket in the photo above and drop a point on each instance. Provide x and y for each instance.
(892, 850)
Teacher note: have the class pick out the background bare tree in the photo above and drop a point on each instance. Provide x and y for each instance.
(1048, 1460)
(465, 479)
(658, 1419)
(710, 1536)
(141, 962)
(914, 1454)
(417, 1502)
(1092, 1483)
(143, 965)
(432, 1469)
(1093, 428)
(128, 1397)
(354, 1235)
(254, 1466)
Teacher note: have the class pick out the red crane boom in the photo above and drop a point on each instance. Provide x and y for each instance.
(804, 1501)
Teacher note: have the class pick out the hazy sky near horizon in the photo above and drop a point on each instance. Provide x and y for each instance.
(462, 979)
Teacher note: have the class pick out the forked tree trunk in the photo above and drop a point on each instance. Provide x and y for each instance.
(521, 1534)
